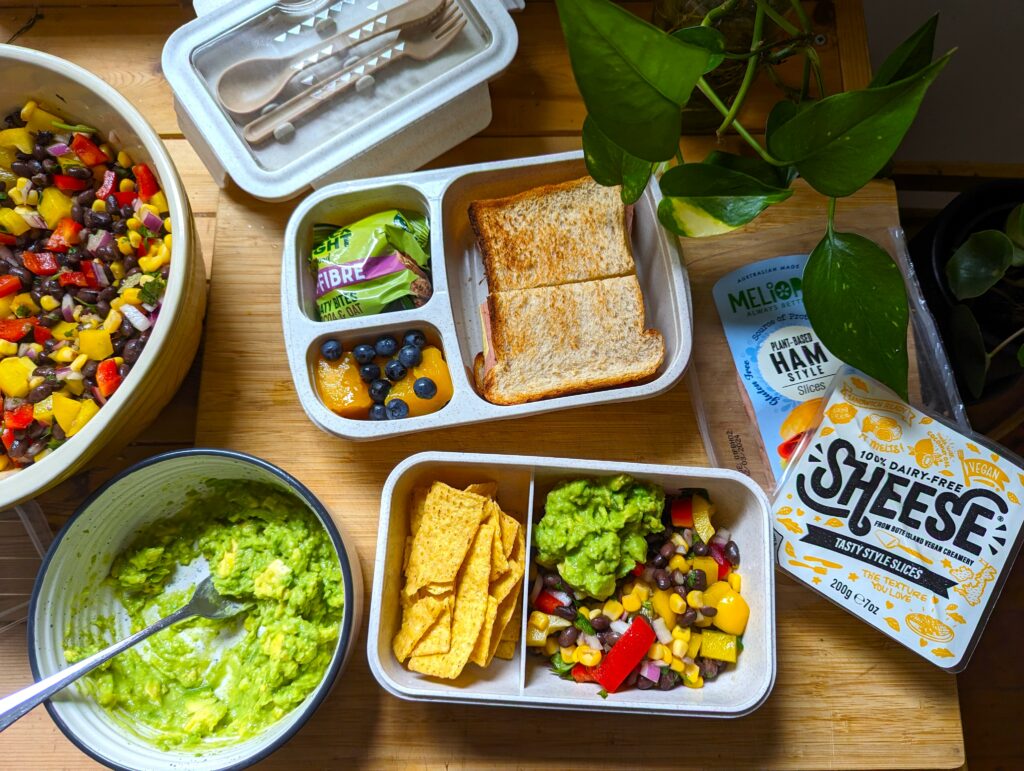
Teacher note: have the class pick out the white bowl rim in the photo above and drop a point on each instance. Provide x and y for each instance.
(33, 480)
(344, 638)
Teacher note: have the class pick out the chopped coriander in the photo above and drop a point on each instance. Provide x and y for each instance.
(583, 623)
(603, 693)
(151, 292)
(647, 610)
(561, 667)
(81, 128)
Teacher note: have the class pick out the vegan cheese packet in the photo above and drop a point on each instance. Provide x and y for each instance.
(900, 519)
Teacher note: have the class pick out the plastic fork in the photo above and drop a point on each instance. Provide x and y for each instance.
(419, 44)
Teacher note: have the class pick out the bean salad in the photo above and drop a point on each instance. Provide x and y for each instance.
(85, 248)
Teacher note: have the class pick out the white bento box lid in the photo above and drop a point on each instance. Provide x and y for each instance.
(407, 115)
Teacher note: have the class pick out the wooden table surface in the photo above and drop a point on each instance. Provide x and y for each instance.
(845, 697)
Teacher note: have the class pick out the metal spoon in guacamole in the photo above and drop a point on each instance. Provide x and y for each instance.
(206, 602)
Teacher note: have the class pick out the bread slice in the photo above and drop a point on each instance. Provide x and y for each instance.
(554, 234)
(559, 340)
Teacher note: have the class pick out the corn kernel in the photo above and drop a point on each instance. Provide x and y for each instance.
(579, 651)
(133, 223)
(150, 264)
(35, 382)
(107, 150)
(680, 633)
(678, 562)
(167, 226)
(642, 591)
(113, 321)
(123, 159)
(734, 582)
(124, 246)
(677, 665)
(703, 621)
(593, 613)
(676, 603)
(654, 652)
(679, 648)
(48, 302)
(117, 302)
(168, 242)
(28, 109)
(695, 599)
(148, 208)
(64, 355)
(75, 387)
(568, 653)
(590, 658)
(666, 655)
(539, 620)
(551, 646)
(16, 196)
(7, 348)
(134, 238)
(130, 296)
(118, 360)
(677, 540)
(631, 603)
(99, 205)
(126, 186)
(117, 268)
(79, 362)
(613, 609)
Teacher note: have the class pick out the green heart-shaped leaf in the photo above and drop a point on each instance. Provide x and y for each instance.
(610, 165)
(783, 112)
(910, 56)
(708, 38)
(839, 143)
(774, 176)
(702, 199)
(979, 263)
(634, 78)
(1015, 232)
(857, 303)
(968, 349)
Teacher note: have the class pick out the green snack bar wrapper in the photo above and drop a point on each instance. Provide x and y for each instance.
(375, 265)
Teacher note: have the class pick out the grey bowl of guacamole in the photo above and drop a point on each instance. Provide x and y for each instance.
(204, 694)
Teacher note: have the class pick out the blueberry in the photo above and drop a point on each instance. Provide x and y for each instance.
(410, 356)
(378, 412)
(386, 346)
(369, 372)
(397, 409)
(364, 353)
(395, 370)
(425, 388)
(330, 349)
(379, 390)
(414, 337)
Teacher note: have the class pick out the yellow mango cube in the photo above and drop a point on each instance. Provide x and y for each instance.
(65, 410)
(85, 414)
(95, 343)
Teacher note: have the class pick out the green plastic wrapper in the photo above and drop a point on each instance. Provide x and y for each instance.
(379, 264)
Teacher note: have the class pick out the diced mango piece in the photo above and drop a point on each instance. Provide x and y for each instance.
(65, 410)
(95, 343)
(23, 302)
(661, 601)
(20, 138)
(12, 222)
(434, 367)
(14, 376)
(718, 645)
(54, 206)
(43, 411)
(341, 388)
(733, 613)
(64, 330)
(695, 639)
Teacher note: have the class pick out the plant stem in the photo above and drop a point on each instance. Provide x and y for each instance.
(721, 10)
(709, 92)
(762, 5)
(830, 226)
(812, 57)
(805, 23)
(748, 77)
(785, 42)
(1006, 342)
(805, 80)
(679, 156)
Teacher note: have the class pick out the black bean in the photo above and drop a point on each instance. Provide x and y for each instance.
(643, 683)
(118, 343)
(708, 612)
(108, 293)
(44, 138)
(102, 308)
(36, 430)
(659, 561)
(87, 295)
(51, 166)
(687, 618)
(667, 681)
(127, 330)
(44, 370)
(77, 212)
(124, 369)
(79, 172)
(18, 448)
(40, 392)
(73, 256)
(551, 580)
(57, 432)
(40, 153)
(701, 549)
(127, 212)
(144, 337)
(567, 637)
(41, 179)
(662, 579)
(709, 668)
(732, 553)
(51, 344)
(108, 252)
(600, 623)
(23, 274)
(697, 579)
(21, 168)
(86, 197)
(568, 612)
(89, 370)
(102, 220)
(36, 295)
(120, 227)
(632, 677)
(112, 205)
(131, 262)
(609, 638)
(667, 550)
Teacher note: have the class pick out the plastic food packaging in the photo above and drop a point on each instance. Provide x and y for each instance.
(24, 538)
(901, 518)
(753, 345)
(379, 109)
(375, 265)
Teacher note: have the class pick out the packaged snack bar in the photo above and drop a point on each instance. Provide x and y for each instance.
(375, 265)
(901, 519)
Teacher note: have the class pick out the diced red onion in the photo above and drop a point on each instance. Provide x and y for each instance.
(660, 664)
(12, 403)
(98, 396)
(58, 149)
(562, 597)
(33, 218)
(24, 348)
(100, 273)
(688, 536)
(66, 373)
(136, 317)
(651, 671)
(67, 307)
(687, 660)
(137, 204)
(148, 308)
(662, 631)
(538, 584)
(619, 626)
(721, 536)
(152, 221)
(98, 240)
(62, 139)
(592, 641)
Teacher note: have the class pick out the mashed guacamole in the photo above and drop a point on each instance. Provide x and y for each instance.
(594, 530)
(213, 682)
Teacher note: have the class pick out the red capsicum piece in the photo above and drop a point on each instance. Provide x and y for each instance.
(638, 570)
(7, 437)
(64, 236)
(14, 330)
(624, 655)
(107, 377)
(87, 151)
(9, 285)
(108, 186)
(546, 602)
(40, 263)
(582, 674)
(125, 198)
(41, 334)
(145, 182)
(72, 277)
(68, 184)
(18, 418)
(718, 554)
(90, 276)
(682, 512)
(7, 239)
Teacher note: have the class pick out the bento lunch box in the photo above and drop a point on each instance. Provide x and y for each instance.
(526, 680)
(451, 317)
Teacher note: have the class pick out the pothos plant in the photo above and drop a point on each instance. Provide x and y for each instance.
(635, 79)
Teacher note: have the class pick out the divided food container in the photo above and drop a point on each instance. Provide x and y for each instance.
(526, 680)
(451, 318)
(403, 115)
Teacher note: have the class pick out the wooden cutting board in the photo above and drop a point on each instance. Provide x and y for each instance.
(845, 697)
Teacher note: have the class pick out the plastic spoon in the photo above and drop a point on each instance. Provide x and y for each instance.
(206, 602)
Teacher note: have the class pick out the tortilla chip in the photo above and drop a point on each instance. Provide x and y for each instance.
(416, 619)
(405, 555)
(469, 611)
(416, 509)
(486, 489)
(513, 629)
(510, 607)
(506, 650)
(438, 638)
(439, 589)
(450, 520)
(482, 648)
(509, 528)
(499, 562)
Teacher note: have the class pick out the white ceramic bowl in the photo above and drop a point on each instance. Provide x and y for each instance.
(81, 556)
(81, 96)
